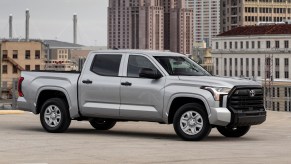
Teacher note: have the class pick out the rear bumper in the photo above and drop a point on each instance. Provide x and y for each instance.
(23, 105)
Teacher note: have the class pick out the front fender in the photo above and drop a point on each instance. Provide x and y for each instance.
(188, 95)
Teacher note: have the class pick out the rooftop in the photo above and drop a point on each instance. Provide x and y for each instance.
(60, 44)
(259, 30)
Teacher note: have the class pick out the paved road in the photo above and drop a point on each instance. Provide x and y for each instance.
(22, 140)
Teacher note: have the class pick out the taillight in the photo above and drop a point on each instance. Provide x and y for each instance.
(20, 80)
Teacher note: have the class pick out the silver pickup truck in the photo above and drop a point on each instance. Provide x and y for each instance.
(132, 85)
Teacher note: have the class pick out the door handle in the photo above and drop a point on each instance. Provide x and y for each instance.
(87, 82)
(126, 83)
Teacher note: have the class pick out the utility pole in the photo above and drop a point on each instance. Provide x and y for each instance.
(10, 26)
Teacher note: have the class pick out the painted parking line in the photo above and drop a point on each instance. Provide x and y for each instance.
(6, 112)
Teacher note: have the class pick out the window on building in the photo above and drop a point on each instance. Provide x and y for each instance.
(259, 67)
(241, 45)
(286, 44)
(216, 45)
(277, 44)
(253, 44)
(278, 106)
(37, 54)
(268, 44)
(14, 71)
(15, 54)
(235, 45)
(27, 54)
(230, 45)
(37, 67)
(4, 69)
(27, 67)
(106, 65)
(277, 61)
(259, 44)
(247, 45)
(4, 54)
(286, 74)
(225, 45)
(286, 62)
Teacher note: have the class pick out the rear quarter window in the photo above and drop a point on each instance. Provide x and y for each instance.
(106, 65)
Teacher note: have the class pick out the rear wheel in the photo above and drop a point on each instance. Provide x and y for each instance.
(54, 116)
(102, 124)
(191, 122)
(233, 132)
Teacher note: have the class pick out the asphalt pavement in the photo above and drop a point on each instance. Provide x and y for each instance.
(22, 140)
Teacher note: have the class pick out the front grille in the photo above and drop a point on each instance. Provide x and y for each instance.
(246, 99)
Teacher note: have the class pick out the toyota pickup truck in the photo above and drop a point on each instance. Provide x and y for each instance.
(136, 85)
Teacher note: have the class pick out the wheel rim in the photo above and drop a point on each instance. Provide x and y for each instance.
(191, 122)
(52, 116)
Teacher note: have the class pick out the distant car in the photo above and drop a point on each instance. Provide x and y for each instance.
(132, 85)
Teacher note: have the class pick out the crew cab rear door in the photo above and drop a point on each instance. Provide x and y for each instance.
(99, 86)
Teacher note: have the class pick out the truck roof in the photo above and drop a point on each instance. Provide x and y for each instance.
(145, 52)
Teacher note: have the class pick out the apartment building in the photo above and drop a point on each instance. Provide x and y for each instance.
(260, 53)
(151, 24)
(236, 13)
(206, 20)
(17, 56)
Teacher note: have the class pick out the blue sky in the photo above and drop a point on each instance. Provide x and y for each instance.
(52, 19)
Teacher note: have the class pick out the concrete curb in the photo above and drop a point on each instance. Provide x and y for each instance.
(6, 112)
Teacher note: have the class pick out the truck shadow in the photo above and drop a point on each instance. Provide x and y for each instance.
(137, 134)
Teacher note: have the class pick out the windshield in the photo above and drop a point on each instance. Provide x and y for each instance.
(181, 66)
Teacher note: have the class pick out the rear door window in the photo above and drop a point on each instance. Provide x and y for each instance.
(106, 65)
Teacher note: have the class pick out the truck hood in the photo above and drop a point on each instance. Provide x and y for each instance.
(218, 81)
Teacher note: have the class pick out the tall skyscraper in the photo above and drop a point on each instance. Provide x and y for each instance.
(150, 24)
(206, 19)
(250, 12)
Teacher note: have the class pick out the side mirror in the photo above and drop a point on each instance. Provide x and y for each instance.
(149, 73)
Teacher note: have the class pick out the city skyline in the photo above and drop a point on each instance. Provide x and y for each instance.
(152, 24)
(45, 24)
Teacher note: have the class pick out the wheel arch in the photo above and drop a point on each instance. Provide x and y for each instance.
(178, 100)
(52, 92)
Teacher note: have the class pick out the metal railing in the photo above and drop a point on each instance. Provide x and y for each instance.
(9, 95)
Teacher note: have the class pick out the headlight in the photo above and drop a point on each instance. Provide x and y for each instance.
(217, 91)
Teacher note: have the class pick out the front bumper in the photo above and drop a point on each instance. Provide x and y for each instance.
(240, 118)
(224, 117)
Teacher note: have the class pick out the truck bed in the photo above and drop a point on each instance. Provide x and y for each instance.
(37, 81)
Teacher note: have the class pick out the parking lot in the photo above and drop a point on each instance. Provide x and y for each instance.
(24, 141)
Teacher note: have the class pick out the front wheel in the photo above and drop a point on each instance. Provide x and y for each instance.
(102, 124)
(54, 116)
(233, 132)
(191, 122)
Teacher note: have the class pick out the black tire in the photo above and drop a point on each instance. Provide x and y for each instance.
(193, 108)
(233, 132)
(59, 108)
(102, 124)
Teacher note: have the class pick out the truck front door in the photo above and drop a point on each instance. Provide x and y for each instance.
(141, 98)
